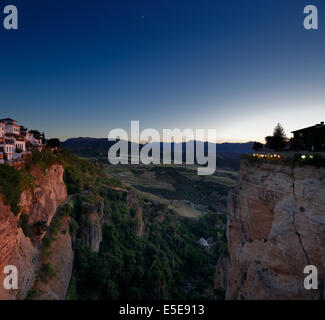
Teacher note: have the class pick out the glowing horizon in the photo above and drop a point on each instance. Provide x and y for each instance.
(175, 68)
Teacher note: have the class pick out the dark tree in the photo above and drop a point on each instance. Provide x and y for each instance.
(53, 143)
(257, 146)
(279, 139)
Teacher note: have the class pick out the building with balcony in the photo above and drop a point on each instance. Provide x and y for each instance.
(16, 140)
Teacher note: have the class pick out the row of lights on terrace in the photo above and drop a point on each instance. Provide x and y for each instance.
(304, 157)
(267, 156)
(277, 156)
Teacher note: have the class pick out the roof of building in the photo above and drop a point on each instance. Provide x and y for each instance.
(315, 127)
(7, 119)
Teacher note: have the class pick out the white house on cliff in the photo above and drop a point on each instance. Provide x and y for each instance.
(15, 140)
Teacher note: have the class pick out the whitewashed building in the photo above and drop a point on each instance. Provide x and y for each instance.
(2, 129)
(11, 126)
(9, 148)
(16, 140)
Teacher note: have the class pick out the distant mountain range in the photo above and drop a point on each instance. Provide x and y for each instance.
(89, 147)
(228, 154)
(100, 146)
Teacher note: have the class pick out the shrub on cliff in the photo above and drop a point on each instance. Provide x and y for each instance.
(43, 160)
(11, 186)
(13, 181)
(79, 174)
(48, 270)
(73, 180)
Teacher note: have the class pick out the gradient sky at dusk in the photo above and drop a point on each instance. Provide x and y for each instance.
(81, 68)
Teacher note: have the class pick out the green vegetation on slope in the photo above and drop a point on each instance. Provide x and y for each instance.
(14, 181)
(165, 263)
(81, 175)
(11, 186)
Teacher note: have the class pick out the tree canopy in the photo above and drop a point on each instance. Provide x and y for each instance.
(53, 143)
(257, 146)
(279, 139)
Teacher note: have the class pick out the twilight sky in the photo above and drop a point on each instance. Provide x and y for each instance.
(80, 68)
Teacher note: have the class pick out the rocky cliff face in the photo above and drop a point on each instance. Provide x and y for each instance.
(49, 192)
(91, 223)
(276, 227)
(40, 206)
(60, 257)
(15, 249)
(134, 205)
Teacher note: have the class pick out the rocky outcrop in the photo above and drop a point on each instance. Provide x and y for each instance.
(276, 227)
(8, 235)
(221, 275)
(16, 248)
(136, 212)
(48, 193)
(59, 259)
(91, 222)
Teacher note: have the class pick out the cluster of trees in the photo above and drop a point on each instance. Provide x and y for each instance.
(53, 143)
(278, 141)
(167, 263)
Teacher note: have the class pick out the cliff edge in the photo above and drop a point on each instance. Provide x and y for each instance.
(276, 227)
(20, 242)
